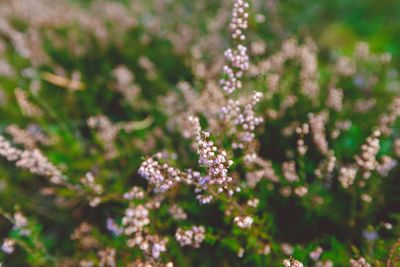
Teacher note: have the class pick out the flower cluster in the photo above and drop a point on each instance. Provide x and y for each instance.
(151, 245)
(289, 171)
(135, 193)
(243, 221)
(177, 212)
(192, 237)
(83, 233)
(107, 257)
(238, 58)
(361, 262)
(217, 165)
(28, 109)
(247, 121)
(317, 125)
(335, 99)
(347, 176)
(107, 133)
(135, 219)
(8, 245)
(292, 263)
(366, 161)
(33, 160)
(89, 181)
(163, 176)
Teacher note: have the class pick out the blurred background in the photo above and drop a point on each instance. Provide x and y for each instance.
(124, 59)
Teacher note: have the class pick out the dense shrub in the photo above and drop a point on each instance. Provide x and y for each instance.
(197, 133)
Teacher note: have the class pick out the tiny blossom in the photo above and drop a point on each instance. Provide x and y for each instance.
(107, 257)
(335, 99)
(386, 165)
(363, 106)
(135, 193)
(331, 161)
(125, 83)
(367, 198)
(193, 128)
(20, 224)
(216, 162)
(285, 191)
(158, 247)
(21, 136)
(89, 181)
(273, 82)
(327, 165)
(246, 122)
(315, 254)
(177, 212)
(370, 235)
(387, 120)
(154, 202)
(204, 199)
(301, 191)
(324, 263)
(258, 48)
(243, 221)
(83, 229)
(289, 171)
(192, 237)
(292, 263)
(189, 94)
(86, 239)
(345, 66)
(114, 227)
(37, 163)
(230, 111)
(20, 220)
(135, 219)
(286, 248)
(343, 125)
(33, 160)
(367, 159)
(396, 147)
(347, 176)
(361, 262)
(388, 226)
(317, 125)
(86, 263)
(6, 69)
(27, 108)
(162, 177)
(266, 172)
(253, 202)
(301, 147)
(237, 57)
(265, 250)
(94, 202)
(8, 245)
(151, 244)
(107, 132)
(240, 252)
(147, 65)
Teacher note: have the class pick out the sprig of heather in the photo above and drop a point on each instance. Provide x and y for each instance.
(238, 116)
(238, 60)
(32, 160)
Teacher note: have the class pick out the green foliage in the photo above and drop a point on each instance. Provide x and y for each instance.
(181, 40)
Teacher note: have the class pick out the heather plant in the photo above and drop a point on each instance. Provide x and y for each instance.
(193, 133)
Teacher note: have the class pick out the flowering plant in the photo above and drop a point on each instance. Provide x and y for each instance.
(127, 141)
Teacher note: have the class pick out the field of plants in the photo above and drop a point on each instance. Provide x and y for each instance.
(161, 133)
